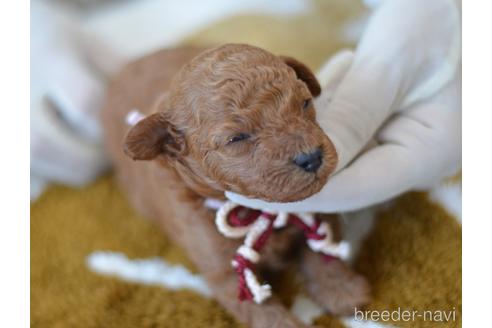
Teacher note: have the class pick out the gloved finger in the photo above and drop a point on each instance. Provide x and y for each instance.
(59, 155)
(335, 68)
(258, 203)
(433, 132)
(351, 117)
(76, 93)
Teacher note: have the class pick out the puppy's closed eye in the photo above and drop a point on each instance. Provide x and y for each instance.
(237, 138)
(306, 104)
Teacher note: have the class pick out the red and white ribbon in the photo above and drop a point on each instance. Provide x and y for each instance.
(236, 221)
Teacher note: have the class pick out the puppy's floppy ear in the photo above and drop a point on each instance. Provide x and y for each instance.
(153, 136)
(305, 74)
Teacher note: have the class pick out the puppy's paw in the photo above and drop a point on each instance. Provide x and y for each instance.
(337, 288)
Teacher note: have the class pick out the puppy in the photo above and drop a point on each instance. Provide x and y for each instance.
(232, 118)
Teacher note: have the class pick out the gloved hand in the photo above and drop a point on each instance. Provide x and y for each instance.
(66, 95)
(400, 89)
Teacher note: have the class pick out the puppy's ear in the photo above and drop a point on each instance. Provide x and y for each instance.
(153, 136)
(305, 74)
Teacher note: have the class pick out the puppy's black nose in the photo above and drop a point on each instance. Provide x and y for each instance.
(309, 162)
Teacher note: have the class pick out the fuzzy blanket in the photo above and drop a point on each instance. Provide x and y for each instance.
(412, 259)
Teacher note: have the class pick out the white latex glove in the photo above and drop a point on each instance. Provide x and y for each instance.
(400, 89)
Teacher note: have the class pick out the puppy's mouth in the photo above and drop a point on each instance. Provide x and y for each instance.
(312, 181)
(303, 189)
(310, 184)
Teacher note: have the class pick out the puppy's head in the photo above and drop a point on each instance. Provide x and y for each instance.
(238, 118)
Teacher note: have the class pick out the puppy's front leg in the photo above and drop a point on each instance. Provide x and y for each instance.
(271, 313)
(333, 284)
